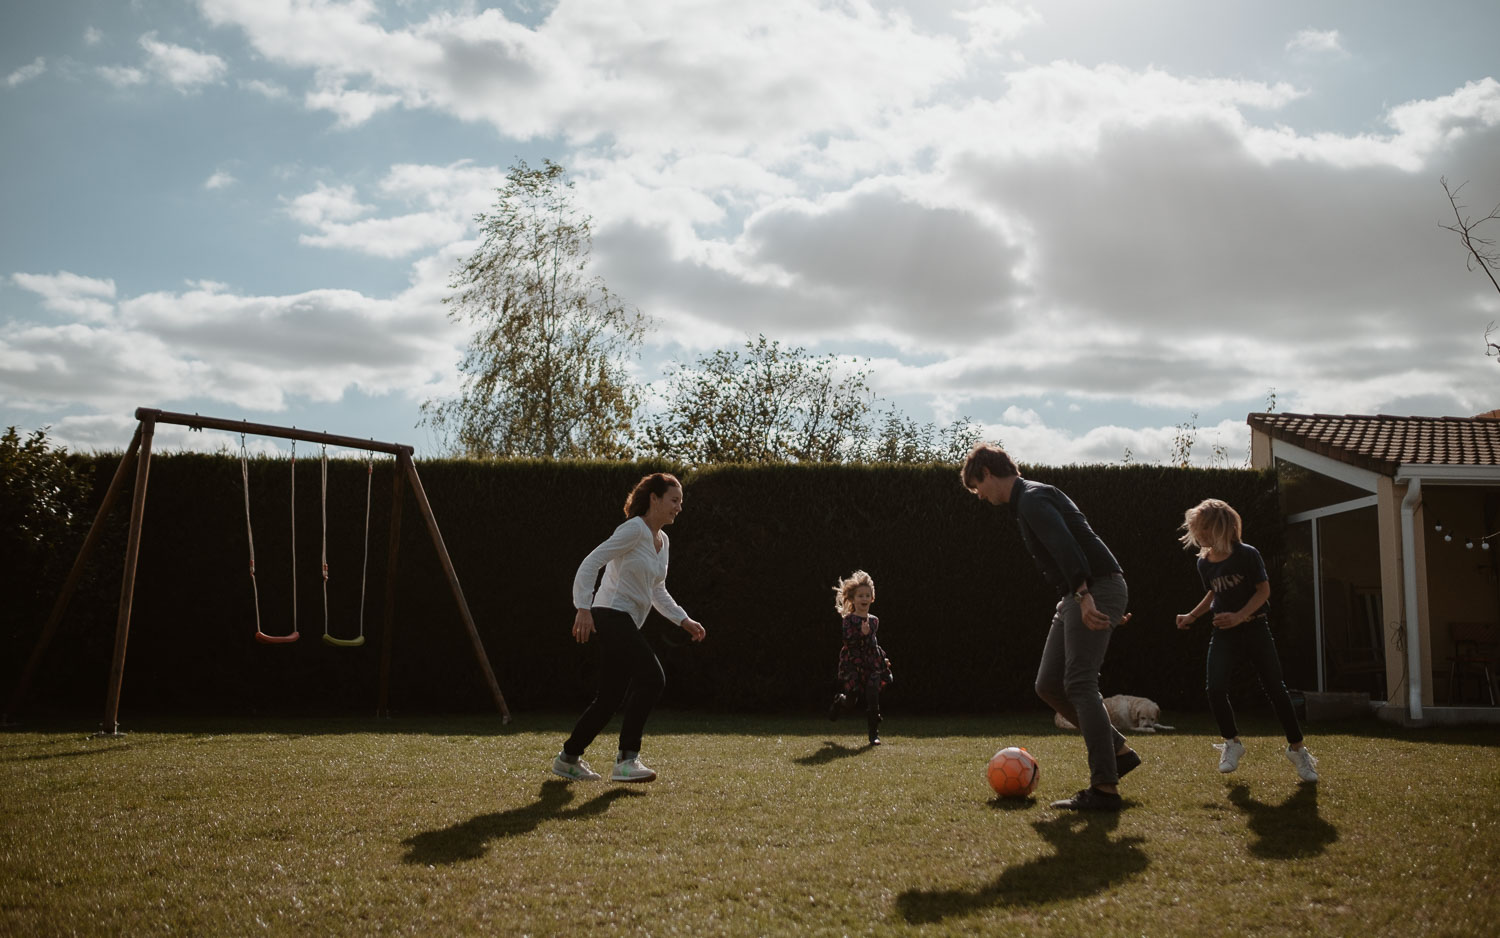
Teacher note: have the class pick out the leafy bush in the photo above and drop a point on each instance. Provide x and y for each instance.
(44, 493)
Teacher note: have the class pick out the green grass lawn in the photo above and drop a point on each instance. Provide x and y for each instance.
(757, 826)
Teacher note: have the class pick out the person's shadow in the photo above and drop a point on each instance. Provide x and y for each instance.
(831, 751)
(470, 839)
(1085, 860)
(1288, 831)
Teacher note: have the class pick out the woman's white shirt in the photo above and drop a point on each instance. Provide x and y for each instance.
(635, 575)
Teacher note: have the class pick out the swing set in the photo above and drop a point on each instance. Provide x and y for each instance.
(138, 457)
(328, 638)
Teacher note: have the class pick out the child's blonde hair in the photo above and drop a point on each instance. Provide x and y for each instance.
(1210, 525)
(844, 590)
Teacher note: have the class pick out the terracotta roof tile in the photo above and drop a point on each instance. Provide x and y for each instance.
(1381, 443)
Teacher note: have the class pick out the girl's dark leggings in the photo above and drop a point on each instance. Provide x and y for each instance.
(629, 674)
(872, 703)
(1252, 641)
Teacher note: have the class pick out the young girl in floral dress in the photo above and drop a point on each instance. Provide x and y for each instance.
(863, 667)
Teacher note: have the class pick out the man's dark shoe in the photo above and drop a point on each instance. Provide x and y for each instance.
(1090, 799)
(1124, 763)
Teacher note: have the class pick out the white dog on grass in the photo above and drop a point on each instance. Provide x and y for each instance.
(1127, 713)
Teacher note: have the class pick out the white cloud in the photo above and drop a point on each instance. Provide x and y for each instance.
(1316, 42)
(92, 36)
(246, 352)
(183, 68)
(390, 237)
(447, 196)
(266, 89)
(327, 204)
(994, 25)
(746, 77)
(122, 76)
(219, 180)
(26, 72)
(352, 107)
(86, 298)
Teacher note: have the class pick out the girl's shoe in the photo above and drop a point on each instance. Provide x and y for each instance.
(1232, 749)
(839, 703)
(1305, 763)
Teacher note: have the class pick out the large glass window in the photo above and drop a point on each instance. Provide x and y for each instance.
(1353, 613)
(1301, 489)
(1295, 623)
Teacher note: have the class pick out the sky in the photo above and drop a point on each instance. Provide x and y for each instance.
(1085, 225)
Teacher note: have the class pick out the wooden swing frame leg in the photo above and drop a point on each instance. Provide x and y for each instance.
(111, 724)
(398, 488)
(405, 467)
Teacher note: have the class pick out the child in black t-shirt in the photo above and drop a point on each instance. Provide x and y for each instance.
(1238, 592)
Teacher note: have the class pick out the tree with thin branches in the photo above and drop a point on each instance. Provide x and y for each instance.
(765, 402)
(545, 372)
(1482, 251)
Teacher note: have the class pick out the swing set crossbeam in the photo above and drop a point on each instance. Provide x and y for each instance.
(138, 458)
(199, 422)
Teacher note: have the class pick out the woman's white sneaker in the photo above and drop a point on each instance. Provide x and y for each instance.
(632, 770)
(575, 771)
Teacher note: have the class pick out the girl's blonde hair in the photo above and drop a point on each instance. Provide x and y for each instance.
(844, 590)
(1210, 525)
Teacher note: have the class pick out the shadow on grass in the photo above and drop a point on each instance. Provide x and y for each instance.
(832, 751)
(1085, 861)
(1288, 831)
(470, 839)
(1012, 804)
(77, 754)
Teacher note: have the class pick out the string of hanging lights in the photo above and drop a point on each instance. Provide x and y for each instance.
(1484, 540)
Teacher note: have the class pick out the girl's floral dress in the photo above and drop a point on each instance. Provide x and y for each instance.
(861, 658)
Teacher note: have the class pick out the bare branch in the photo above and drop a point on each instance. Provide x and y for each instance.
(1481, 250)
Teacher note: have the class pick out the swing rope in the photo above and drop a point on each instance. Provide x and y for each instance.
(327, 638)
(261, 636)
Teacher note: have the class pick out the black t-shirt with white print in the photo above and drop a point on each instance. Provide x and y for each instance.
(1233, 579)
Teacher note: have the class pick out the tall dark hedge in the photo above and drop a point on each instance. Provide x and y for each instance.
(755, 555)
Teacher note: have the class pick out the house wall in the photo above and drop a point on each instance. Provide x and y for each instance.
(1260, 450)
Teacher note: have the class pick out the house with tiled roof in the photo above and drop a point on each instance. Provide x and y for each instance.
(1393, 554)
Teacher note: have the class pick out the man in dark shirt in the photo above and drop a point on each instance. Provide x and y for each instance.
(1093, 596)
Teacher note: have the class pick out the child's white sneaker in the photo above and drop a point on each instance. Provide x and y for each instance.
(632, 770)
(1231, 750)
(574, 771)
(1305, 763)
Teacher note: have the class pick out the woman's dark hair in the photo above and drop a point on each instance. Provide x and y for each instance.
(989, 457)
(656, 484)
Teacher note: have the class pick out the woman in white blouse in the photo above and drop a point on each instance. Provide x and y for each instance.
(634, 559)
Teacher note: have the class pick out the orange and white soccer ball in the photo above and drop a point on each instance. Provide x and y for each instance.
(1013, 772)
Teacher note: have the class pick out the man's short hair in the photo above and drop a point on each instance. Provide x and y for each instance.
(989, 457)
